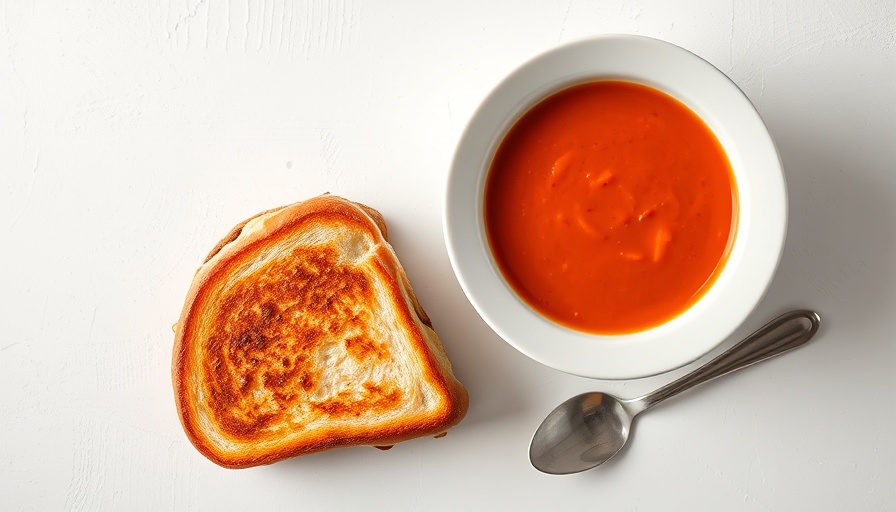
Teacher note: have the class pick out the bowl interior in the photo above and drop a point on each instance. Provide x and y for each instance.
(759, 230)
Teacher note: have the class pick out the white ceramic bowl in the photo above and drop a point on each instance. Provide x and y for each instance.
(759, 229)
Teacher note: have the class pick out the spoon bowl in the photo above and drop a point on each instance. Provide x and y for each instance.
(582, 433)
(589, 429)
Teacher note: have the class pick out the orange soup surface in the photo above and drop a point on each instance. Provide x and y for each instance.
(609, 207)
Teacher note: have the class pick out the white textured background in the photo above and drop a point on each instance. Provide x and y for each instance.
(133, 135)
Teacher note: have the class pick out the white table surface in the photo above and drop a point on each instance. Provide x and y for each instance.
(133, 135)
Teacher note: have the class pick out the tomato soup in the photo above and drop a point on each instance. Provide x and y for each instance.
(609, 207)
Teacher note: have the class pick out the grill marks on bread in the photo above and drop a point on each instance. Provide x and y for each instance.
(272, 332)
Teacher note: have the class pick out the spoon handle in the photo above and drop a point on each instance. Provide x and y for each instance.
(784, 333)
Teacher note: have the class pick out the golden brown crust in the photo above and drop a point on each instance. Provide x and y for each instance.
(234, 234)
(252, 381)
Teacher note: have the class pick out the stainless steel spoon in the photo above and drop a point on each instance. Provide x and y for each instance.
(589, 429)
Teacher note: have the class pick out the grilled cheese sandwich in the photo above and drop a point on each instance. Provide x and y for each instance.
(301, 333)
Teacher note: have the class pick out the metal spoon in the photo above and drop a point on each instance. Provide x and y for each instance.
(589, 429)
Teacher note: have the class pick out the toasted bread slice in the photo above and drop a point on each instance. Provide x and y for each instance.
(301, 333)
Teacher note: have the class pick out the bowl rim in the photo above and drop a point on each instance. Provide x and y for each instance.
(760, 227)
